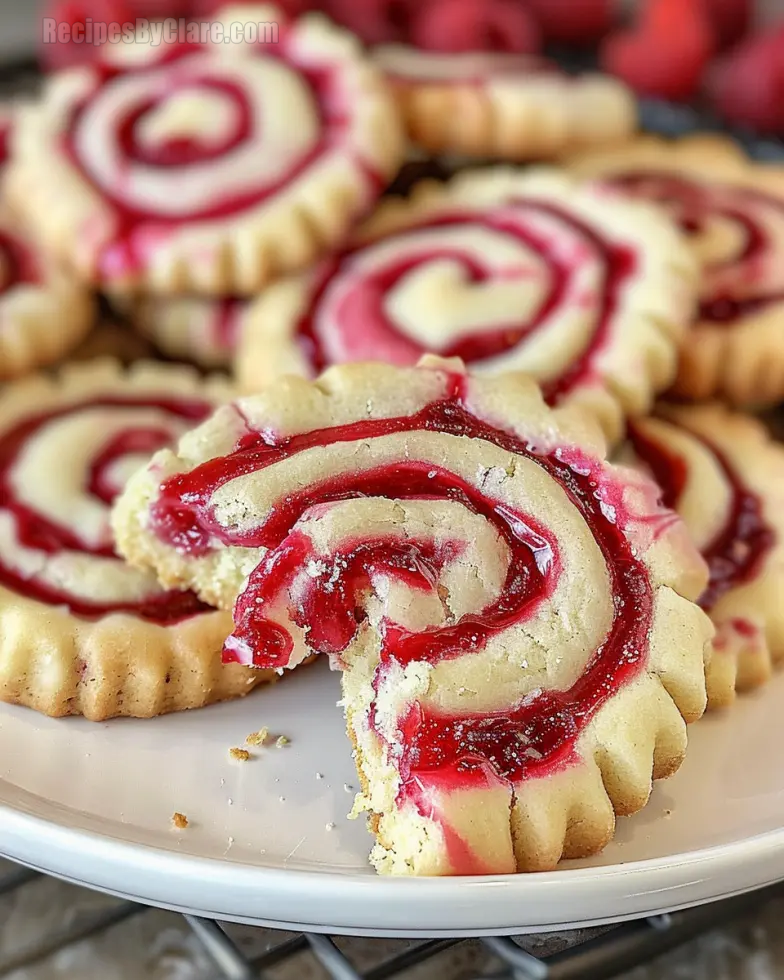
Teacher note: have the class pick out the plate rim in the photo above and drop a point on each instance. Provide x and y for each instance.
(364, 904)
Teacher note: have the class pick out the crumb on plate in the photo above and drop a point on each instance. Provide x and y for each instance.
(257, 738)
(241, 755)
(179, 821)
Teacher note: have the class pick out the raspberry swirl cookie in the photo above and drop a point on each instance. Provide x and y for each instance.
(725, 476)
(505, 269)
(44, 313)
(212, 168)
(733, 212)
(81, 632)
(511, 614)
(190, 328)
(512, 107)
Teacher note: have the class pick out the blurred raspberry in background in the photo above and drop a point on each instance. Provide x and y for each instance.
(698, 50)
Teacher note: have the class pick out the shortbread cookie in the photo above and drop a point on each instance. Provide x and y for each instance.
(512, 107)
(190, 328)
(81, 632)
(733, 211)
(508, 270)
(212, 168)
(725, 477)
(44, 313)
(511, 614)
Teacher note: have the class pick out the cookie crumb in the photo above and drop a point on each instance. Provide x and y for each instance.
(179, 821)
(348, 788)
(280, 741)
(330, 826)
(319, 775)
(241, 755)
(258, 738)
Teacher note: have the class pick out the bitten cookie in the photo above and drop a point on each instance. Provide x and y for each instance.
(512, 615)
(509, 270)
(81, 632)
(207, 168)
(512, 107)
(725, 477)
(733, 212)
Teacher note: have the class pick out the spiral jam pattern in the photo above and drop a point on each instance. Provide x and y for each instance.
(59, 474)
(736, 230)
(469, 539)
(204, 136)
(495, 288)
(737, 549)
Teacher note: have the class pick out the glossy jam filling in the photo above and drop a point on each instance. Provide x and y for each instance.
(544, 728)
(17, 263)
(739, 548)
(34, 531)
(137, 227)
(695, 207)
(367, 303)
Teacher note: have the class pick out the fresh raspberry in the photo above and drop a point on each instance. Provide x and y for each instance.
(666, 54)
(61, 55)
(747, 86)
(729, 19)
(375, 21)
(579, 22)
(476, 25)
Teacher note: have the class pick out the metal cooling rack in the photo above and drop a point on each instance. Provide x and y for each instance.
(589, 954)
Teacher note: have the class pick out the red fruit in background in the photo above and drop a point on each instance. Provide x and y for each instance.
(747, 86)
(54, 55)
(665, 55)
(580, 22)
(375, 21)
(476, 25)
(729, 19)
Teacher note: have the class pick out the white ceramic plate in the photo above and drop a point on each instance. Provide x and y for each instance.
(93, 803)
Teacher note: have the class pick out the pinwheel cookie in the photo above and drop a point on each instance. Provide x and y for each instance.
(211, 168)
(44, 313)
(725, 476)
(81, 632)
(513, 107)
(511, 614)
(189, 328)
(733, 211)
(507, 270)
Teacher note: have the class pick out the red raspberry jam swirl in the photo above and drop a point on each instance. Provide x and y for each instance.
(739, 548)
(362, 321)
(140, 227)
(744, 283)
(18, 266)
(529, 739)
(35, 531)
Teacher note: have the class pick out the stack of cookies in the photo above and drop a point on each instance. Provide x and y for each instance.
(439, 450)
